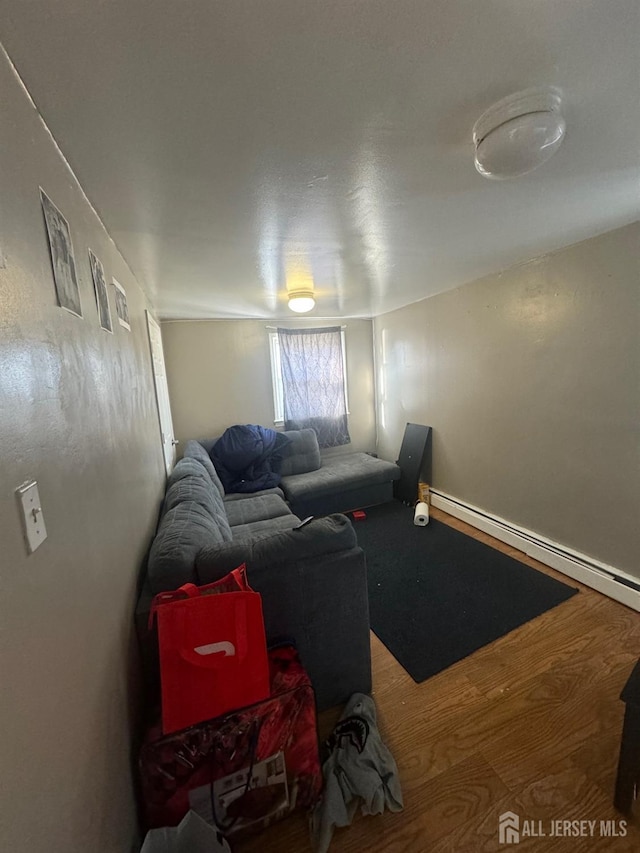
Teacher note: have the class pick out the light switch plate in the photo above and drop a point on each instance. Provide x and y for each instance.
(33, 525)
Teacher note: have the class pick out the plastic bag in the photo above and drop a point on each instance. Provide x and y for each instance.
(192, 835)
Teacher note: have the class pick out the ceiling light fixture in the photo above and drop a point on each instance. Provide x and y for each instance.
(301, 301)
(518, 133)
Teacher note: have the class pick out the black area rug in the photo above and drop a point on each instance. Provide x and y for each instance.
(437, 595)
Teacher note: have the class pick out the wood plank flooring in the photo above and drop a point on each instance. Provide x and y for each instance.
(530, 724)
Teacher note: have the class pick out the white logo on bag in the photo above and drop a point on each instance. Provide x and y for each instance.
(213, 648)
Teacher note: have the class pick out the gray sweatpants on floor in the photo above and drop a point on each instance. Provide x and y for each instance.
(360, 771)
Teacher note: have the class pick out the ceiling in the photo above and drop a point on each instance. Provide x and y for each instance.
(235, 148)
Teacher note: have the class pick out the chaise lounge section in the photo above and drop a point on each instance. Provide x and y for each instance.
(317, 485)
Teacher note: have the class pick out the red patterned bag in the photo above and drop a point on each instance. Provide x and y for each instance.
(213, 651)
(244, 770)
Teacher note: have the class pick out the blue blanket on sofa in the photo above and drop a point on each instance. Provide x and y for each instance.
(248, 457)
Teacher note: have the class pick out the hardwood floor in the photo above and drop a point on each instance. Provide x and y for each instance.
(529, 724)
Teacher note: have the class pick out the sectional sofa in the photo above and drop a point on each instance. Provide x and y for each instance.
(312, 578)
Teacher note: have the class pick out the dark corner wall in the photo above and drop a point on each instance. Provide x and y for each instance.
(531, 381)
(78, 414)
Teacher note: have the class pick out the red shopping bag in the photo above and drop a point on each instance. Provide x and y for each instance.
(243, 770)
(213, 651)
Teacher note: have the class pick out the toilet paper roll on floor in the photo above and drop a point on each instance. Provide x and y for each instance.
(421, 515)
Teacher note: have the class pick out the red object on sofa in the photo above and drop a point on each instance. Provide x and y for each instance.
(217, 767)
(213, 650)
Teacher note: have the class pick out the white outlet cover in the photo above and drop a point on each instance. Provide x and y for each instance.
(33, 524)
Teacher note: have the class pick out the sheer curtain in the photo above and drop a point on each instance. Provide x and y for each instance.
(313, 383)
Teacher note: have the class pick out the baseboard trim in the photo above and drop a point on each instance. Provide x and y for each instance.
(606, 579)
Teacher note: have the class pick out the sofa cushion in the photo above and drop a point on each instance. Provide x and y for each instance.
(266, 527)
(302, 454)
(194, 489)
(194, 450)
(243, 496)
(184, 530)
(255, 509)
(339, 473)
(186, 467)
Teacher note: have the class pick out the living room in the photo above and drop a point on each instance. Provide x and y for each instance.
(503, 314)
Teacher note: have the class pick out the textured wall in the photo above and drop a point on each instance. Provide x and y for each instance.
(219, 374)
(77, 413)
(531, 381)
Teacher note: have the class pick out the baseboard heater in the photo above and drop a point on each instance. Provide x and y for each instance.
(608, 580)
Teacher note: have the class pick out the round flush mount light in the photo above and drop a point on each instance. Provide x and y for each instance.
(301, 301)
(518, 133)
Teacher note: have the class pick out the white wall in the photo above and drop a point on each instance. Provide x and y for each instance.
(531, 382)
(77, 413)
(219, 374)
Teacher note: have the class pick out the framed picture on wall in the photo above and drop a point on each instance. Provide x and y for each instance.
(122, 309)
(62, 258)
(102, 297)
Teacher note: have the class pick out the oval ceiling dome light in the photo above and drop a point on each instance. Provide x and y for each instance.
(301, 301)
(518, 133)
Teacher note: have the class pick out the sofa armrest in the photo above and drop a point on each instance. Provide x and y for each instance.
(318, 538)
(313, 583)
(322, 606)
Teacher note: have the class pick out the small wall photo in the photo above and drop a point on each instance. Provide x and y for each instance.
(122, 309)
(102, 297)
(62, 258)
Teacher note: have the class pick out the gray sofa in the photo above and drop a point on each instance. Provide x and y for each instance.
(312, 578)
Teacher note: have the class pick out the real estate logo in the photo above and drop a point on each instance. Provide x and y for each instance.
(511, 829)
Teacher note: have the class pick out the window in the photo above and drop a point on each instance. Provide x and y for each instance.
(276, 376)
